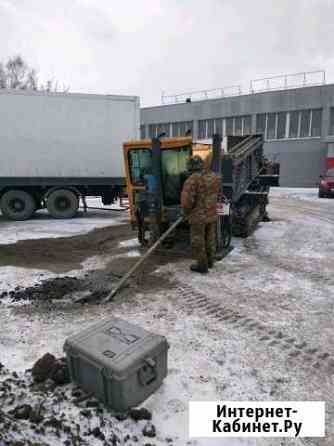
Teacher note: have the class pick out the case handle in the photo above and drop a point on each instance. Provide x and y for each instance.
(148, 373)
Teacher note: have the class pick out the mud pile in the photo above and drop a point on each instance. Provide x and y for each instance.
(92, 287)
(37, 408)
(63, 254)
(51, 289)
(95, 285)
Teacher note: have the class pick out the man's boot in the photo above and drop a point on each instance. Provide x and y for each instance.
(210, 263)
(199, 268)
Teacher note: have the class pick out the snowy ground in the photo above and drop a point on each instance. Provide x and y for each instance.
(42, 225)
(280, 279)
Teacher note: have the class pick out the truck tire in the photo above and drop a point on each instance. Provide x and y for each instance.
(62, 203)
(17, 205)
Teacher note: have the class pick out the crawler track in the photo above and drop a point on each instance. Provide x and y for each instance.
(302, 352)
(306, 354)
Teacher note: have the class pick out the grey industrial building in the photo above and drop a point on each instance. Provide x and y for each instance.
(297, 124)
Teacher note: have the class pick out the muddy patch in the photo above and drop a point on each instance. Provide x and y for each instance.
(52, 412)
(65, 288)
(61, 255)
(95, 285)
(64, 254)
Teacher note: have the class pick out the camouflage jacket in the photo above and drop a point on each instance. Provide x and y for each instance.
(199, 197)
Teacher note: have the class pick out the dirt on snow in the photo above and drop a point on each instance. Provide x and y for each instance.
(63, 254)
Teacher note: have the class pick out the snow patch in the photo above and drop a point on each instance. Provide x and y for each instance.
(44, 226)
(133, 254)
(132, 243)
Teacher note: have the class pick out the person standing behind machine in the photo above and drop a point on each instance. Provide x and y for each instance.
(199, 203)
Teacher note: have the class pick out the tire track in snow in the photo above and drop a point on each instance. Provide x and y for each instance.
(286, 263)
(306, 354)
(309, 211)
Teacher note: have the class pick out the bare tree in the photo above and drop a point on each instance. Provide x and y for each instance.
(3, 80)
(16, 74)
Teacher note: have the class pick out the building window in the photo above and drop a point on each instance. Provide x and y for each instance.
(281, 125)
(238, 126)
(142, 132)
(164, 128)
(331, 122)
(206, 128)
(229, 126)
(178, 129)
(271, 126)
(247, 130)
(294, 124)
(188, 127)
(219, 126)
(261, 123)
(202, 129)
(181, 128)
(210, 127)
(154, 130)
(316, 122)
(305, 122)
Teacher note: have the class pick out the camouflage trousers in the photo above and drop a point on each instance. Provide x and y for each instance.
(203, 242)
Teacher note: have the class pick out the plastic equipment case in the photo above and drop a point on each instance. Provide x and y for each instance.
(120, 363)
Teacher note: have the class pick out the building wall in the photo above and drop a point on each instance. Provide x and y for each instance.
(301, 161)
(302, 158)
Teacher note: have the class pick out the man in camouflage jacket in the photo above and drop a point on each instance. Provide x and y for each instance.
(199, 203)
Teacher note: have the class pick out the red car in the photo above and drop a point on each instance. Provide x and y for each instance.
(326, 186)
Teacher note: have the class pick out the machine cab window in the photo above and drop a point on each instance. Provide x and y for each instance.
(174, 173)
(140, 162)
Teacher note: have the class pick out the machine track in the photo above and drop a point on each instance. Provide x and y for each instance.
(301, 351)
(298, 350)
(243, 227)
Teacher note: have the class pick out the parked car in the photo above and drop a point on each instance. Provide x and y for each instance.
(326, 185)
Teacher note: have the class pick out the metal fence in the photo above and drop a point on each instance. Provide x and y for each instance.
(280, 82)
(286, 81)
(232, 90)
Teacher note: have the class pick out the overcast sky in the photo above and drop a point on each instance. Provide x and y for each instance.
(144, 47)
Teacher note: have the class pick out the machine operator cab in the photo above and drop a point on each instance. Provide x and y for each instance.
(155, 173)
(163, 178)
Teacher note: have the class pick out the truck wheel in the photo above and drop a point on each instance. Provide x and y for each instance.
(17, 205)
(62, 203)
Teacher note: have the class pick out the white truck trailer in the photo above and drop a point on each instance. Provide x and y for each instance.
(56, 148)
